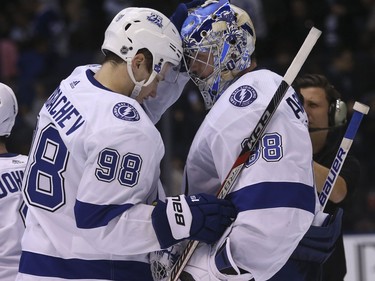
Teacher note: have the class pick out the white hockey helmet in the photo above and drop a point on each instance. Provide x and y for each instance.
(224, 32)
(8, 109)
(136, 28)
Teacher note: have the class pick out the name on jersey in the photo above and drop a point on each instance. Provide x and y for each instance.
(10, 182)
(63, 112)
(297, 108)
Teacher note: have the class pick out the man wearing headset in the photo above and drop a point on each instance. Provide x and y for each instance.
(327, 118)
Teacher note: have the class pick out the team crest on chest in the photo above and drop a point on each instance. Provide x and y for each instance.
(243, 96)
(125, 111)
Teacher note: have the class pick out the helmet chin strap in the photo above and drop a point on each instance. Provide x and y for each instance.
(138, 85)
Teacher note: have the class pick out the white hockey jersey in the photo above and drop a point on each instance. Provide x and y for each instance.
(274, 193)
(91, 178)
(12, 213)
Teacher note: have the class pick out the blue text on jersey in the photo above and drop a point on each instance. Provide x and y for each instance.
(62, 110)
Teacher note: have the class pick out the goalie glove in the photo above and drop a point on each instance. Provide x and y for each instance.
(200, 217)
(319, 241)
(312, 251)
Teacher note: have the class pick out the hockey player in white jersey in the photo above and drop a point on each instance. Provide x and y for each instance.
(93, 170)
(12, 209)
(274, 194)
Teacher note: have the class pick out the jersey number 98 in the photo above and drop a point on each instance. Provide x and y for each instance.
(127, 170)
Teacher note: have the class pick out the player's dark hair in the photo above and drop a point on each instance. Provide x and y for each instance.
(110, 56)
(320, 81)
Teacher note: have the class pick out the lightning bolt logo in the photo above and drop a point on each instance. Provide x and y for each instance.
(125, 111)
(243, 96)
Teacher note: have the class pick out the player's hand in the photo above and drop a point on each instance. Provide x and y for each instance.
(199, 217)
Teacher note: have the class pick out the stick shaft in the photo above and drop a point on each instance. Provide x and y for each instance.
(230, 179)
(359, 111)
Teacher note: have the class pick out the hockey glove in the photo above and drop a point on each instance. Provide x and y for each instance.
(312, 251)
(320, 241)
(199, 217)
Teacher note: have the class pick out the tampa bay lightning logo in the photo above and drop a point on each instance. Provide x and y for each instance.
(243, 96)
(156, 19)
(125, 111)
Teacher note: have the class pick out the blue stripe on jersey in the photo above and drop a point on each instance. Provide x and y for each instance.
(267, 195)
(47, 266)
(90, 215)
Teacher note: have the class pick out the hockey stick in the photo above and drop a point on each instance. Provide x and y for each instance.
(359, 111)
(248, 148)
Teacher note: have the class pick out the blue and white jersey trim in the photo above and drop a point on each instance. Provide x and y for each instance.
(47, 266)
(91, 215)
(266, 195)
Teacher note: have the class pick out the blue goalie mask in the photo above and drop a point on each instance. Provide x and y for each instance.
(218, 40)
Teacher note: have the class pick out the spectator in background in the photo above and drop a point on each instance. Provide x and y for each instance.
(327, 117)
(12, 211)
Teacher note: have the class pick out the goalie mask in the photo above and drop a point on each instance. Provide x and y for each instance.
(133, 29)
(218, 40)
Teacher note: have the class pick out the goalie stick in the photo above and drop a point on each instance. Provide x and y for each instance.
(247, 150)
(359, 111)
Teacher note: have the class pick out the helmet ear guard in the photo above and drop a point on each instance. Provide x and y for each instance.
(225, 31)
